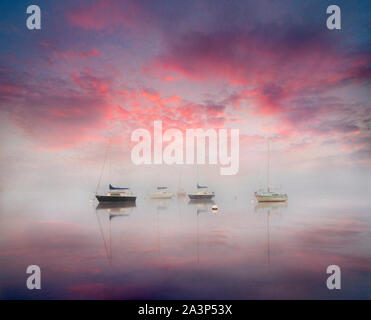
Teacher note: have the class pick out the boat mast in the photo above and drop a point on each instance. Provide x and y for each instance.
(268, 165)
(103, 166)
(180, 180)
(197, 173)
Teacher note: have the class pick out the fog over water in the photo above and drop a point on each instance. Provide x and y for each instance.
(168, 249)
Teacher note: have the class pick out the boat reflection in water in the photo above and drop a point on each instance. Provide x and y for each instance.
(160, 204)
(201, 202)
(203, 206)
(114, 210)
(266, 208)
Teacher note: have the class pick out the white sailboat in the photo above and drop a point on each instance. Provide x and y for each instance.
(269, 195)
(161, 193)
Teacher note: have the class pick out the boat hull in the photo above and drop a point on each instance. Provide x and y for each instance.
(201, 196)
(261, 198)
(115, 199)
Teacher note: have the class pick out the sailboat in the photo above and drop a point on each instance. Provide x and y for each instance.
(202, 193)
(117, 194)
(161, 193)
(269, 195)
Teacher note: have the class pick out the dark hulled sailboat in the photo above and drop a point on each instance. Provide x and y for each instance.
(116, 195)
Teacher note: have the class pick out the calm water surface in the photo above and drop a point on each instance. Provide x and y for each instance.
(181, 250)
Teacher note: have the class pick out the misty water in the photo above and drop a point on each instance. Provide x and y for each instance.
(176, 249)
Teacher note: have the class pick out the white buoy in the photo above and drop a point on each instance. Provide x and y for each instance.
(214, 207)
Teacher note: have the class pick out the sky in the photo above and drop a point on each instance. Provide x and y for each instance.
(97, 70)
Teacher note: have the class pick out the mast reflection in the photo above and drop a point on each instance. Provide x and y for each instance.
(267, 208)
(113, 210)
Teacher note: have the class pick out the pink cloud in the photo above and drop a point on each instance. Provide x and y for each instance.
(275, 70)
